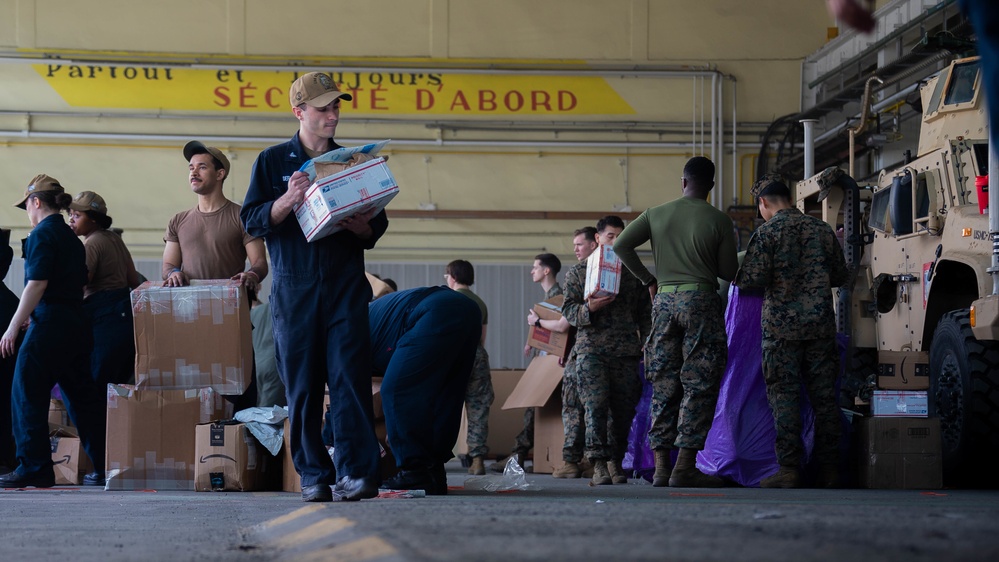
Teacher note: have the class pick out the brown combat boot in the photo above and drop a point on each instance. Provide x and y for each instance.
(686, 475)
(601, 477)
(478, 467)
(568, 470)
(660, 478)
(617, 474)
(587, 468)
(785, 477)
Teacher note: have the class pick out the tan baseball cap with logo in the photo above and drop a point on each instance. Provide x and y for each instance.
(316, 89)
(41, 183)
(89, 201)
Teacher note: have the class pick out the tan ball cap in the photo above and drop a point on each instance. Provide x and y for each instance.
(41, 183)
(89, 201)
(316, 89)
(198, 147)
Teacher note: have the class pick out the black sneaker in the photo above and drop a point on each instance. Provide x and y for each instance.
(417, 479)
(18, 480)
(353, 489)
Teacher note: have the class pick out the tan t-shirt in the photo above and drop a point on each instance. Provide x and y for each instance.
(212, 245)
(107, 261)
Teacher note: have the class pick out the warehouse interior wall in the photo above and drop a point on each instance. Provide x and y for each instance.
(617, 142)
(512, 123)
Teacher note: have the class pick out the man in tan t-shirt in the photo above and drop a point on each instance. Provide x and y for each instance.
(208, 241)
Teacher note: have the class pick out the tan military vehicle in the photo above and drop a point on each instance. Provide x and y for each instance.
(922, 312)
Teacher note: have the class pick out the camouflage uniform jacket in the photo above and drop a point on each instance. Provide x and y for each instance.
(798, 260)
(617, 330)
(555, 291)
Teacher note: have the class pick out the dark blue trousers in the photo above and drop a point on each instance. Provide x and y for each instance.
(321, 338)
(113, 357)
(423, 389)
(56, 349)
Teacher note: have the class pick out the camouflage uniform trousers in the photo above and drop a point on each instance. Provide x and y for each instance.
(685, 359)
(572, 414)
(524, 441)
(478, 398)
(787, 366)
(609, 389)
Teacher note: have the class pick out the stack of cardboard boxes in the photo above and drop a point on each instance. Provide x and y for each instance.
(900, 446)
(193, 345)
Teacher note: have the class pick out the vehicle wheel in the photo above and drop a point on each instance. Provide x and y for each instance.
(964, 394)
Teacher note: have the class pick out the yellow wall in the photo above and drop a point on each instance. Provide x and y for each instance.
(143, 177)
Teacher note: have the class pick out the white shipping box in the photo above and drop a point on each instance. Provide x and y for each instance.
(899, 403)
(360, 189)
(603, 273)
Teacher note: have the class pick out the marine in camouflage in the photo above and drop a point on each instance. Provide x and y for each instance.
(797, 259)
(608, 348)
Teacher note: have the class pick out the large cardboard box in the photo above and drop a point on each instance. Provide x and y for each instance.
(547, 340)
(68, 458)
(151, 435)
(360, 189)
(229, 459)
(193, 337)
(540, 388)
(58, 414)
(603, 273)
(903, 370)
(899, 403)
(900, 453)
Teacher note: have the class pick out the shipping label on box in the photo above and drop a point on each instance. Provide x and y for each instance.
(360, 189)
(603, 273)
(69, 460)
(899, 403)
(544, 339)
(903, 370)
(193, 337)
(229, 459)
(151, 434)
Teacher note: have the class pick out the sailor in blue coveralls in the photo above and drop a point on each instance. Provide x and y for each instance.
(56, 347)
(424, 343)
(319, 304)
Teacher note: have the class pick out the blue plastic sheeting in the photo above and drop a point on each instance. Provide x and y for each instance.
(639, 456)
(740, 445)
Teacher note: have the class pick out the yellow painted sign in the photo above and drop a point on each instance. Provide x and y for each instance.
(374, 93)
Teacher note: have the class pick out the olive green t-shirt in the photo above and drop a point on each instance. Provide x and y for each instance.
(692, 242)
(482, 306)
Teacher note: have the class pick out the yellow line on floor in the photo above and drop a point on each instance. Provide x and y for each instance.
(313, 532)
(368, 548)
(292, 516)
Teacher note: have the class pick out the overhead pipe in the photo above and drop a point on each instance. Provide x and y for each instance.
(402, 142)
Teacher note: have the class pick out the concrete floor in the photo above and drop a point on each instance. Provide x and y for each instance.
(552, 520)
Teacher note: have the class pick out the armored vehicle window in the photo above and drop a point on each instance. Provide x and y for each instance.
(982, 158)
(961, 87)
(879, 210)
